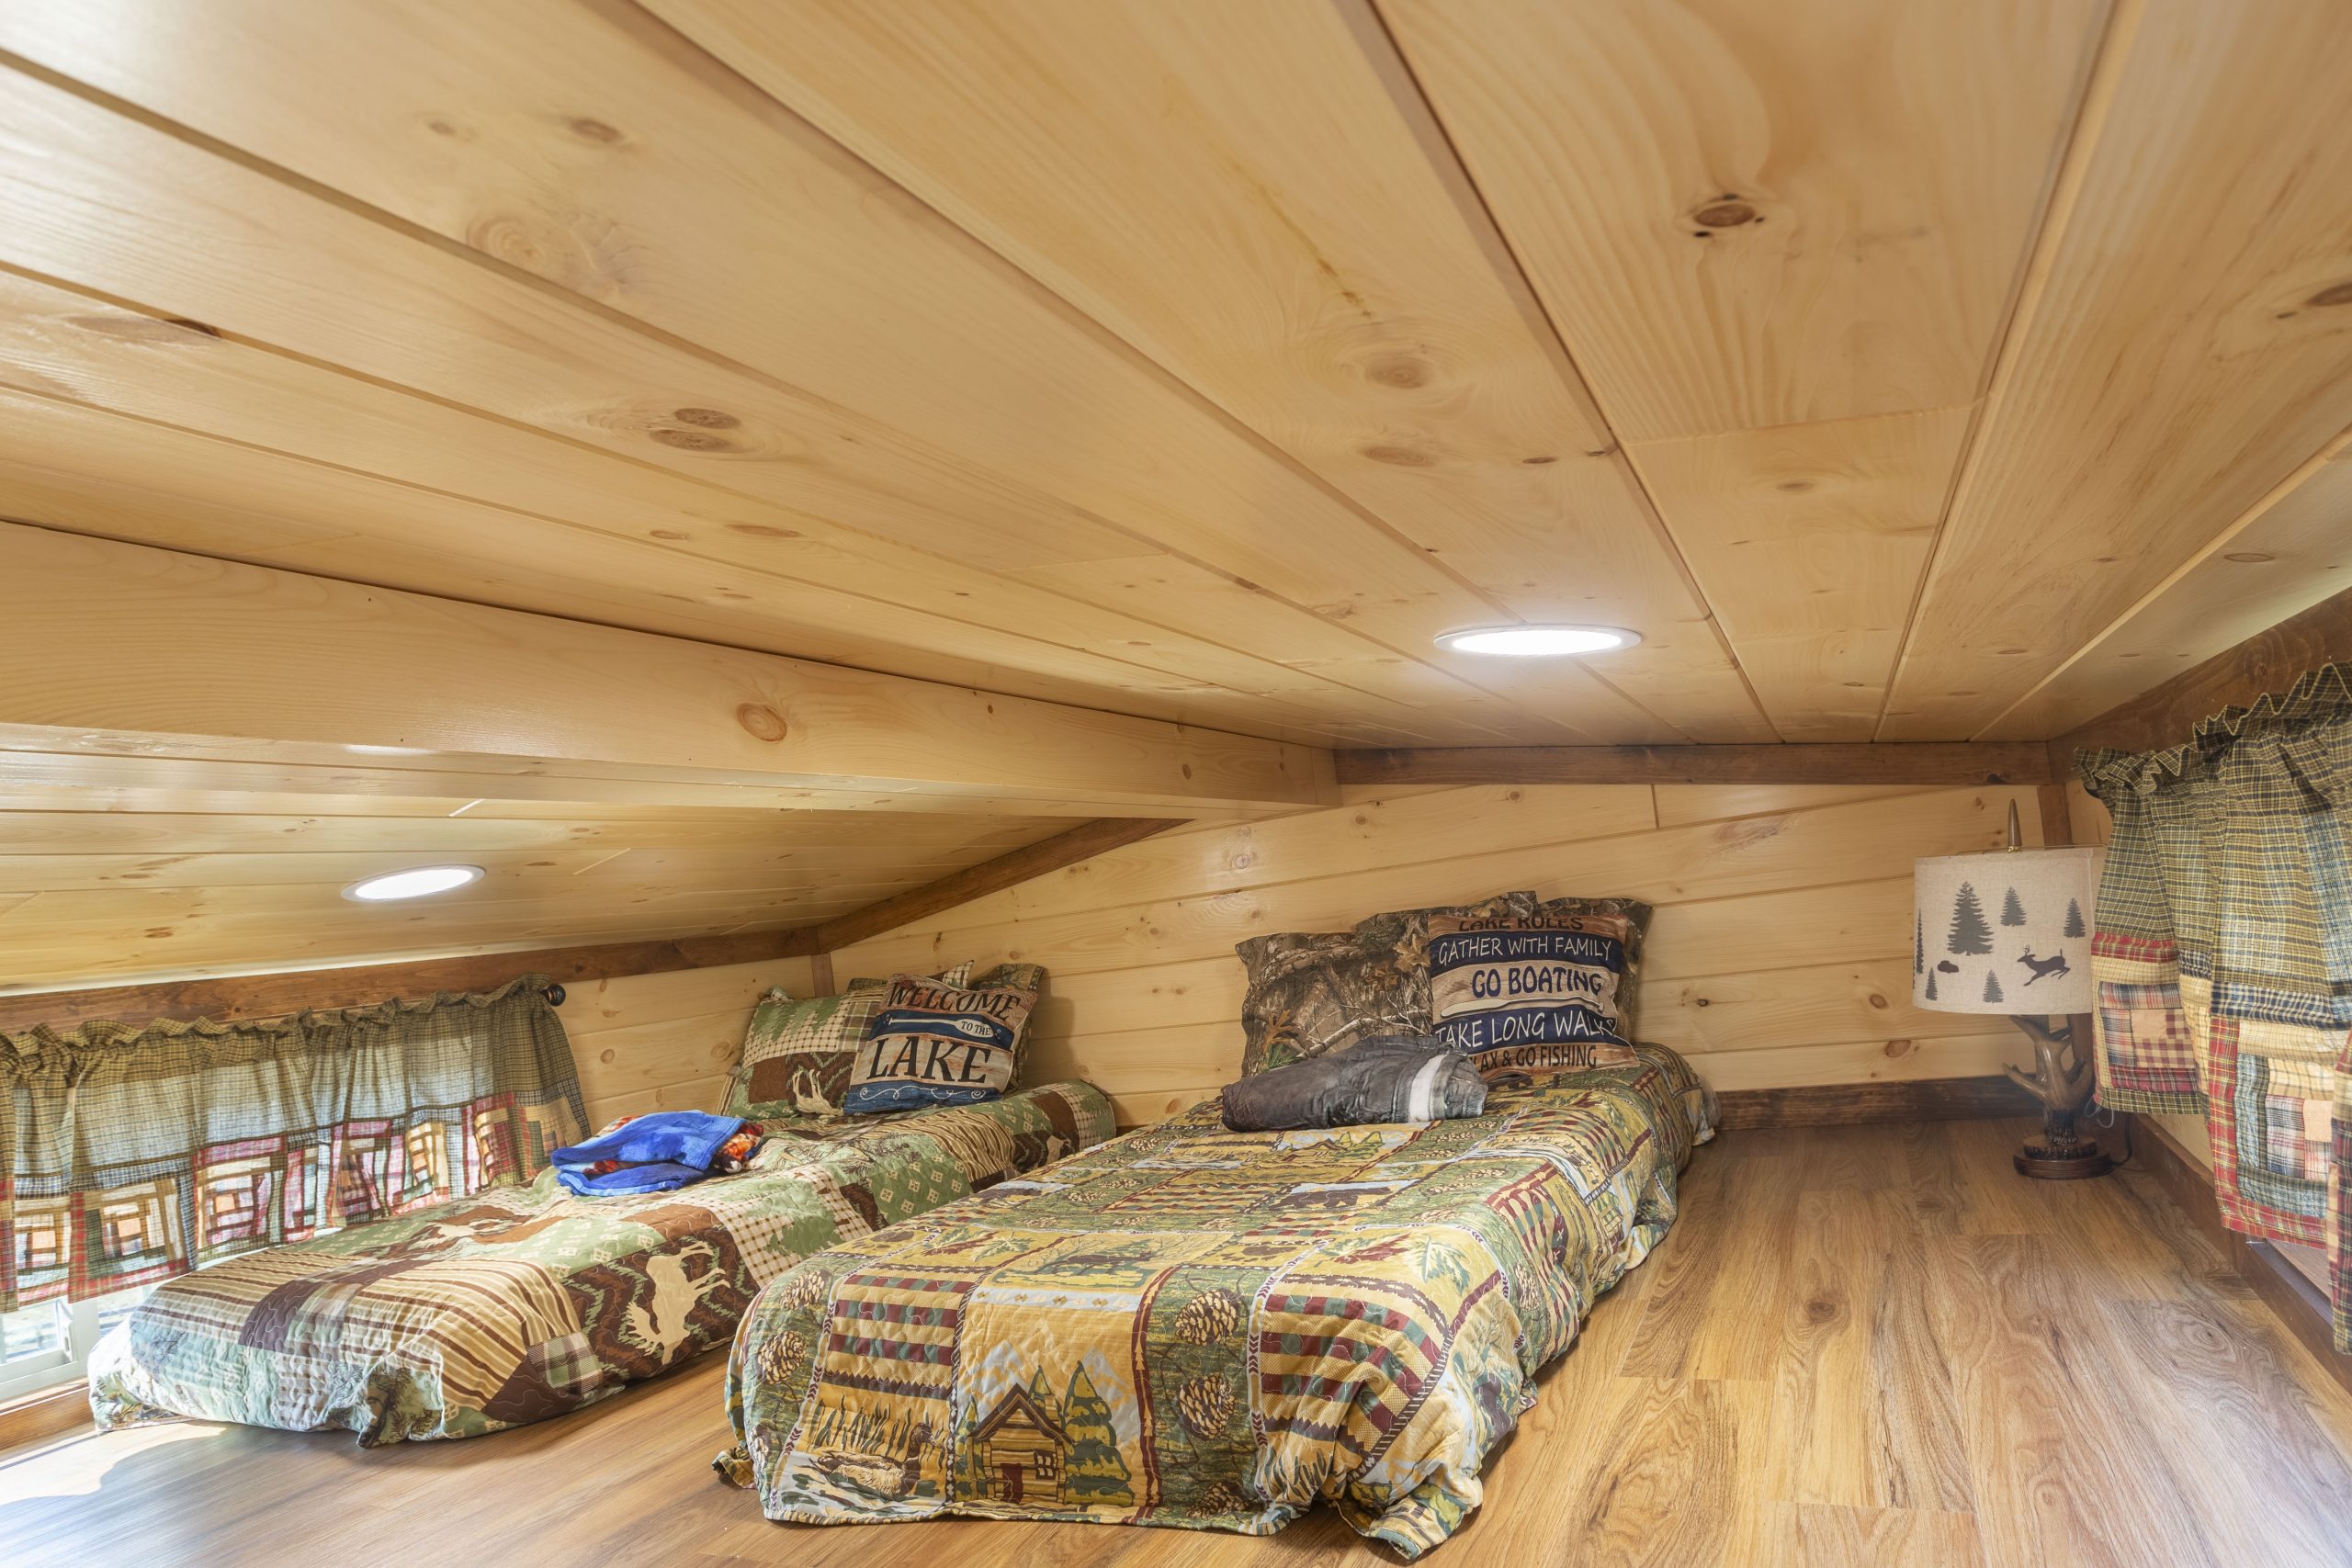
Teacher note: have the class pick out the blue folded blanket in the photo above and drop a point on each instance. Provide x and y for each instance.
(646, 1153)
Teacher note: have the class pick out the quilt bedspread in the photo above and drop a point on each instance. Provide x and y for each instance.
(520, 1303)
(1211, 1329)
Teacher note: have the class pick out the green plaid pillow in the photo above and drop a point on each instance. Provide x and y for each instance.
(797, 1056)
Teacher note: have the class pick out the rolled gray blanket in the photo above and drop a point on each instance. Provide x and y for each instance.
(1390, 1077)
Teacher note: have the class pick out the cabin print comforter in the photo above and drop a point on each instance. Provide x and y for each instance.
(520, 1303)
(1211, 1329)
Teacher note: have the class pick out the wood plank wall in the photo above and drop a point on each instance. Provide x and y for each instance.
(666, 1041)
(1780, 954)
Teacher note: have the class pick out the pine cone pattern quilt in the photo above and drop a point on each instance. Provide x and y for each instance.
(1216, 1330)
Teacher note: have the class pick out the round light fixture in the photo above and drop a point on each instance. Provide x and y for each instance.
(414, 883)
(1537, 642)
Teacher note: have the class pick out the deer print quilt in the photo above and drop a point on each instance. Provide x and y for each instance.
(520, 1303)
(1213, 1329)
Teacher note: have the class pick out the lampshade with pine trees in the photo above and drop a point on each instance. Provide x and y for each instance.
(2005, 932)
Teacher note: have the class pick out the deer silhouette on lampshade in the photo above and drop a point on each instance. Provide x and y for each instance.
(2008, 932)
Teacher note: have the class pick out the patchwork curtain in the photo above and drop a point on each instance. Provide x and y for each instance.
(127, 1156)
(2223, 957)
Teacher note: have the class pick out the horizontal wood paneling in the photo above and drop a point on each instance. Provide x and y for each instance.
(666, 1041)
(1778, 957)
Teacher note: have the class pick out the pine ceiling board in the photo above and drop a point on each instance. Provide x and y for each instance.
(1867, 174)
(1214, 606)
(583, 871)
(2290, 556)
(1232, 187)
(606, 829)
(179, 783)
(67, 346)
(1809, 541)
(837, 347)
(2187, 345)
(89, 472)
(69, 466)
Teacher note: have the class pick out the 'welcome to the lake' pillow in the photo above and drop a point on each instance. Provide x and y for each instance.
(939, 1044)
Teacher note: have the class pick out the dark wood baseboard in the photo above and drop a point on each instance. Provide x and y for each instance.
(2291, 1298)
(51, 1413)
(1851, 1104)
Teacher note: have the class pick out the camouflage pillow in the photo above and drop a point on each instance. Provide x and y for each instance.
(797, 1056)
(1314, 992)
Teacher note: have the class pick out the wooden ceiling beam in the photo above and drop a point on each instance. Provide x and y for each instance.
(1023, 864)
(288, 991)
(112, 650)
(1929, 763)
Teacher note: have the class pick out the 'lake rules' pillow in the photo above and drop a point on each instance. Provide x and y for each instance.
(1530, 993)
(935, 1044)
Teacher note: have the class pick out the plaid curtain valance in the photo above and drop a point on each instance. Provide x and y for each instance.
(2223, 955)
(130, 1155)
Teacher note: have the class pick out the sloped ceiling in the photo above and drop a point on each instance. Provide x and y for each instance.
(1900, 369)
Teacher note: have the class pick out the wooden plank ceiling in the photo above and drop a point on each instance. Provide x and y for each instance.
(1902, 369)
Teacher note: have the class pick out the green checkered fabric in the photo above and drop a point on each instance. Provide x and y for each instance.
(2223, 955)
(797, 1056)
(130, 1155)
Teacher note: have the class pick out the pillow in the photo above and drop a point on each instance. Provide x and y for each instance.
(1387, 1079)
(1314, 992)
(939, 1044)
(796, 1058)
(1533, 993)
(1637, 916)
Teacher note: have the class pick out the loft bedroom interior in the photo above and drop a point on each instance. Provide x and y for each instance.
(709, 671)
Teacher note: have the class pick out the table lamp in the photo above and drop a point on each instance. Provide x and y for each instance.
(2009, 931)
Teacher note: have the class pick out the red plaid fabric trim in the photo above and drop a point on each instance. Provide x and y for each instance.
(2242, 1210)
(2147, 1056)
(2136, 950)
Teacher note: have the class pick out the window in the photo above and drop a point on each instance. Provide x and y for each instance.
(50, 1343)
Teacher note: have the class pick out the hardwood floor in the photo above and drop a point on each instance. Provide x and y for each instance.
(1861, 1346)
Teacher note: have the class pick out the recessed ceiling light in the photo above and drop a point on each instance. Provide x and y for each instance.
(1538, 642)
(414, 883)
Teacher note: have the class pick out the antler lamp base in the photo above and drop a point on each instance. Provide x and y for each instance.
(2062, 1081)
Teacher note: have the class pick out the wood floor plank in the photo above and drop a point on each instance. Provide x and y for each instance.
(2066, 1481)
(1828, 1536)
(2216, 1397)
(1918, 1446)
(1952, 1365)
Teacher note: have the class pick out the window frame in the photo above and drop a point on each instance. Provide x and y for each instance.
(70, 1360)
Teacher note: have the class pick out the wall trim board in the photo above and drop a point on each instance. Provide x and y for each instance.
(214, 664)
(46, 1414)
(2291, 1298)
(1858, 1104)
(2267, 662)
(278, 994)
(1863, 762)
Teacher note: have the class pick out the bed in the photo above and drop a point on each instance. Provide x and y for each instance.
(1203, 1329)
(520, 1303)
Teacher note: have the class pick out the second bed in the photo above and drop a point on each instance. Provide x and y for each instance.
(1211, 1329)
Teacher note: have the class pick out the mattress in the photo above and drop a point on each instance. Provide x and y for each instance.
(521, 1303)
(1216, 1330)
